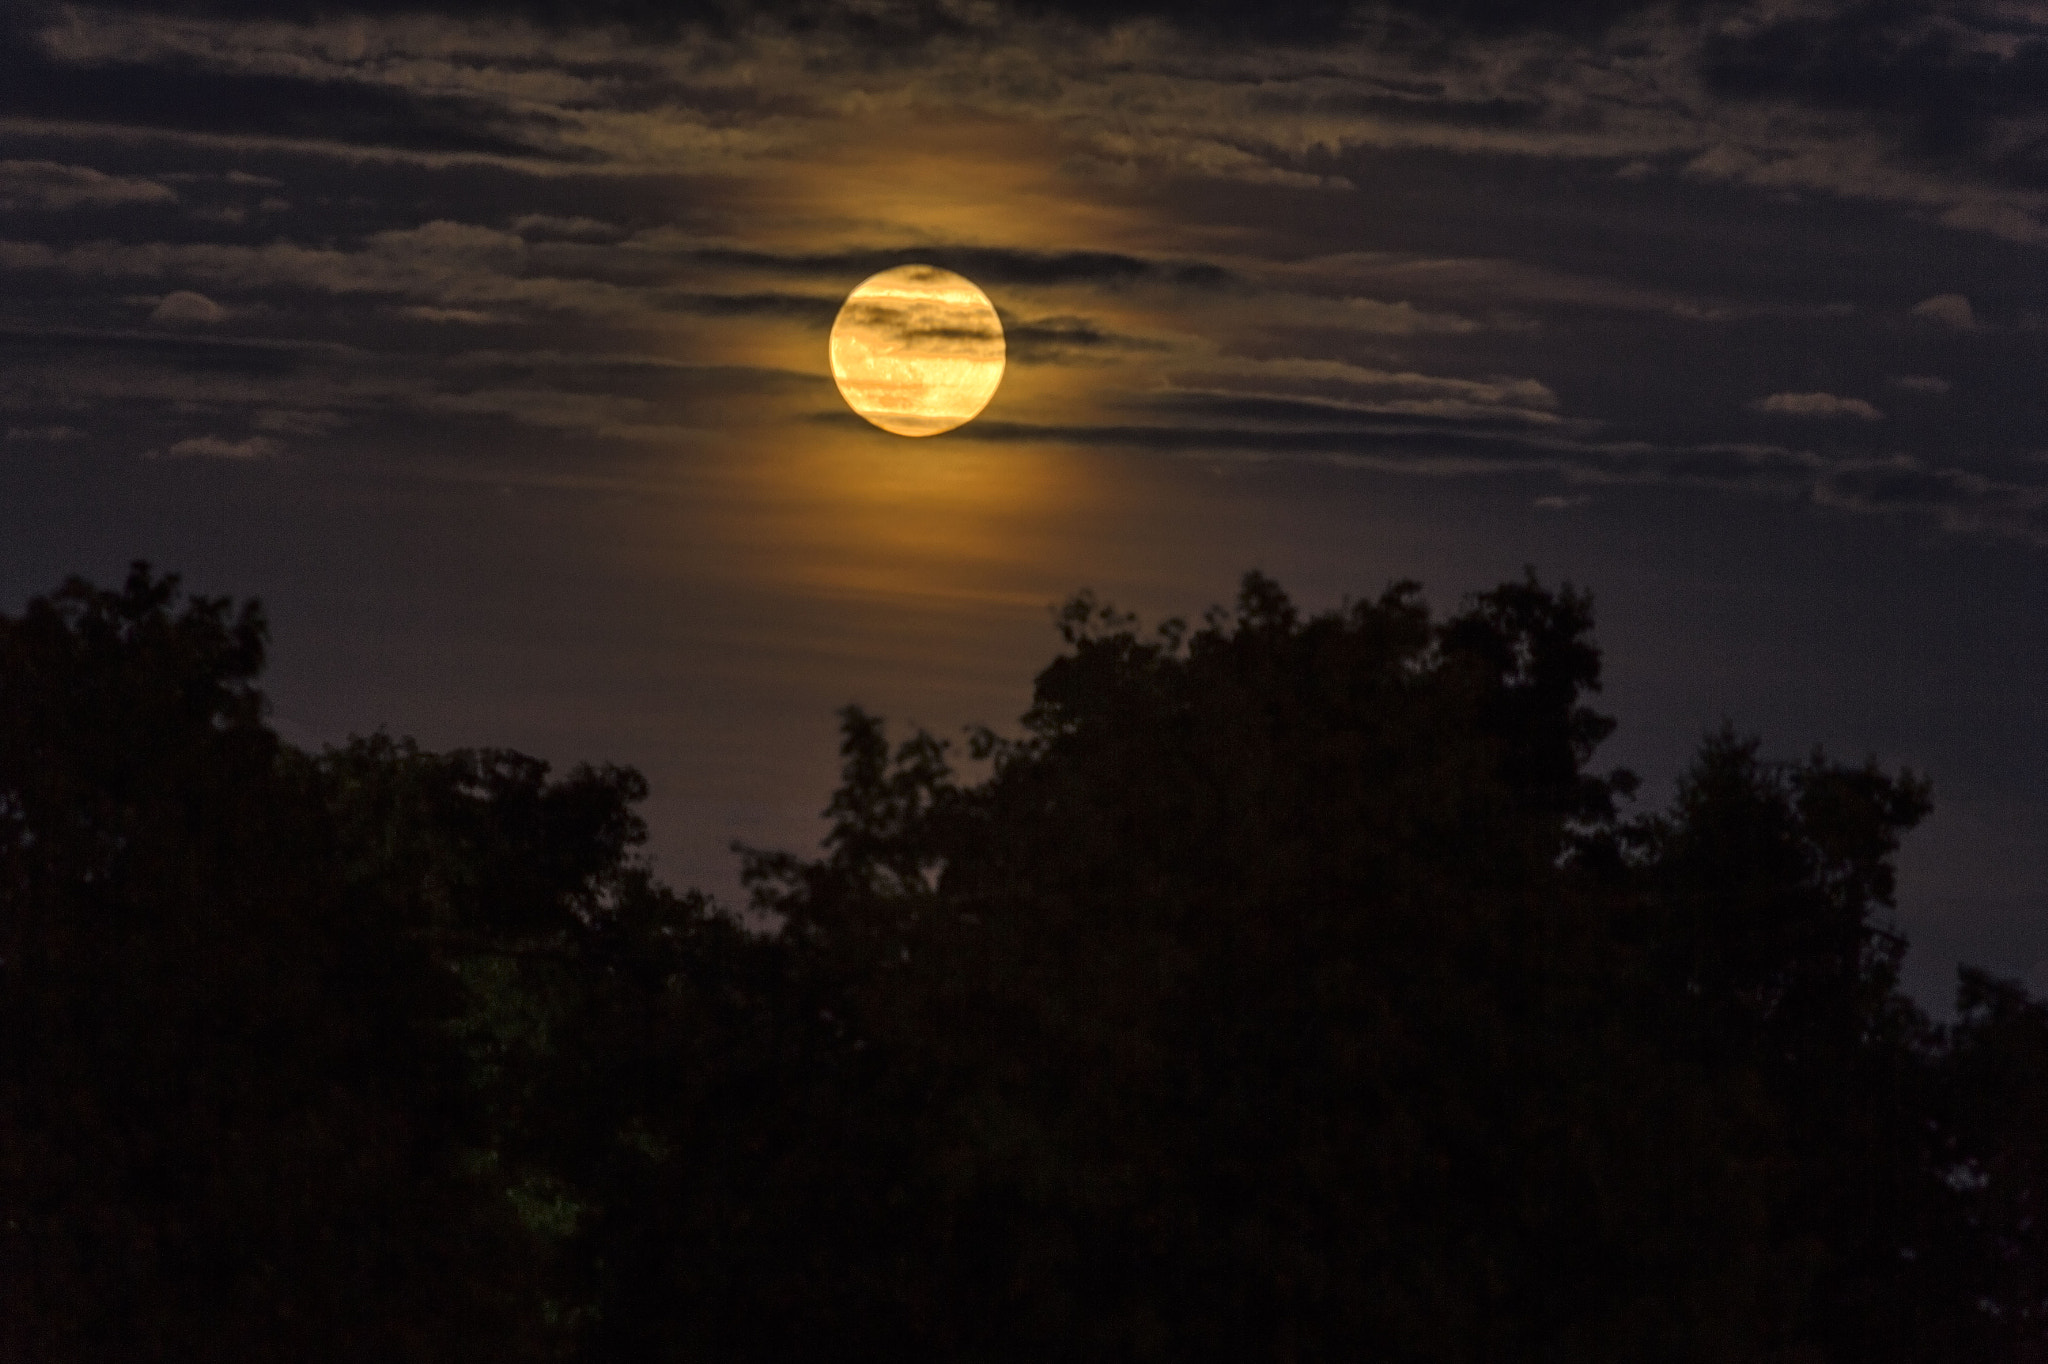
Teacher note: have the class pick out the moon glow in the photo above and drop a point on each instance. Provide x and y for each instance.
(917, 350)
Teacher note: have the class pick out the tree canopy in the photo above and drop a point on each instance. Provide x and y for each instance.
(1291, 986)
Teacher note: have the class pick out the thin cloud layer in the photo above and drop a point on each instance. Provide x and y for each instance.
(220, 447)
(1816, 405)
(1950, 310)
(52, 185)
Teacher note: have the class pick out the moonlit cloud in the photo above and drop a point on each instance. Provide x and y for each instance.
(185, 306)
(218, 447)
(1817, 405)
(51, 185)
(1949, 310)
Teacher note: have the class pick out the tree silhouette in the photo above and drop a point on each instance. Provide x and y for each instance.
(227, 1128)
(1291, 986)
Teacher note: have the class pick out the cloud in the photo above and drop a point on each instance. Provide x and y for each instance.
(53, 185)
(1923, 383)
(552, 227)
(442, 264)
(44, 433)
(1950, 310)
(219, 447)
(295, 422)
(805, 308)
(902, 21)
(269, 80)
(1952, 73)
(1335, 386)
(2011, 221)
(1816, 405)
(1293, 410)
(1405, 319)
(1483, 284)
(1958, 500)
(1066, 338)
(1152, 98)
(460, 316)
(983, 264)
(1961, 500)
(185, 307)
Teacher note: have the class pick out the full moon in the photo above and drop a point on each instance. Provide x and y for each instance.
(917, 350)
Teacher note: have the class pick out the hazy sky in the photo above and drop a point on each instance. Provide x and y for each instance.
(490, 353)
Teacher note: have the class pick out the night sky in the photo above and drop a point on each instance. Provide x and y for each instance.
(488, 348)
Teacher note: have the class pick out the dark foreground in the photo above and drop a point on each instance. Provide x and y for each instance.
(1293, 989)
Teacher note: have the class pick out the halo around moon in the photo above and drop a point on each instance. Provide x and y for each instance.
(917, 350)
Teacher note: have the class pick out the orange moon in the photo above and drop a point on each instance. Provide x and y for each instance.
(917, 350)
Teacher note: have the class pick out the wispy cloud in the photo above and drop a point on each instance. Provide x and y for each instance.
(219, 447)
(53, 185)
(1823, 405)
(51, 433)
(1949, 310)
(184, 306)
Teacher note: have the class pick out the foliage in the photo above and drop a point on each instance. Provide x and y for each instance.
(227, 1127)
(1290, 987)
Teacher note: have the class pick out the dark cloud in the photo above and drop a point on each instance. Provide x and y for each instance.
(565, 228)
(815, 312)
(1947, 74)
(1959, 499)
(251, 357)
(181, 96)
(52, 185)
(1318, 414)
(984, 265)
(1298, 21)
(1956, 499)
(1395, 440)
(1050, 340)
(1260, 440)
(1420, 102)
